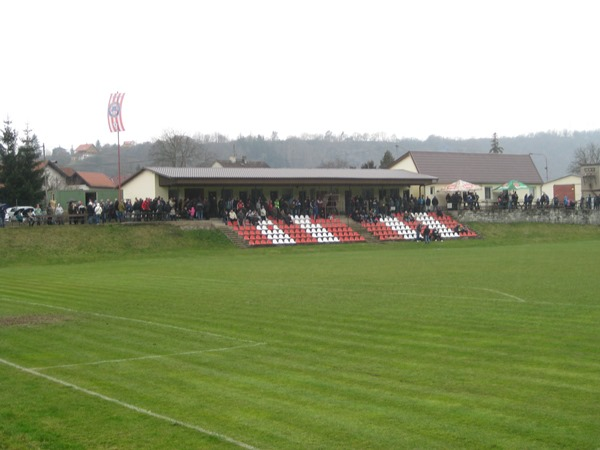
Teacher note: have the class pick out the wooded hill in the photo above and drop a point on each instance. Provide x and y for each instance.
(329, 150)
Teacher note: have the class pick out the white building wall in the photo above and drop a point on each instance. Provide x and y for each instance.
(548, 188)
(406, 164)
(53, 180)
(144, 185)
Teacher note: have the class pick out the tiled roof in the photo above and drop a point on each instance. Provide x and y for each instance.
(243, 163)
(309, 175)
(486, 168)
(86, 148)
(96, 180)
(47, 163)
(69, 171)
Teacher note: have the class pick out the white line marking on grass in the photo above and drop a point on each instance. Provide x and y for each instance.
(129, 406)
(453, 297)
(139, 358)
(130, 319)
(514, 297)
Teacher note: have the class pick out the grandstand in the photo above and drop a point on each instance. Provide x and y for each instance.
(394, 227)
(304, 230)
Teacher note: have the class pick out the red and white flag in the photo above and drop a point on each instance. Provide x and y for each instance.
(115, 118)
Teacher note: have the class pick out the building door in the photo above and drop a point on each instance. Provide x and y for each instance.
(560, 190)
(90, 196)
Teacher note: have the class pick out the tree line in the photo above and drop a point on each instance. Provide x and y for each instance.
(21, 180)
(563, 151)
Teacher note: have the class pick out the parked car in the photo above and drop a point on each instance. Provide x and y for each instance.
(11, 213)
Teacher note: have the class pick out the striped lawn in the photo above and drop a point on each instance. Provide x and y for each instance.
(399, 346)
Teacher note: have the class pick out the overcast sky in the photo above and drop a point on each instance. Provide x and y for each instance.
(410, 68)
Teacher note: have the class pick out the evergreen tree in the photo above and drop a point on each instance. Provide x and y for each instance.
(495, 145)
(387, 160)
(23, 181)
(369, 165)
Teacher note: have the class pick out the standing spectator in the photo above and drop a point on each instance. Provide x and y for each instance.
(200, 210)
(59, 211)
(2, 214)
(90, 212)
(418, 230)
(98, 212)
(426, 233)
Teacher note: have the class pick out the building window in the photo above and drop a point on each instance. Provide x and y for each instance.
(488, 193)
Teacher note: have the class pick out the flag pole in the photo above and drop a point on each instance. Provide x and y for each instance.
(115, 123)
(119, 165)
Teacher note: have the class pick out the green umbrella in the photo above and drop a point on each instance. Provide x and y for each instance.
(512, 185)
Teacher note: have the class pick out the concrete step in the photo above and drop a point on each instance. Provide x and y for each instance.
(231, 234)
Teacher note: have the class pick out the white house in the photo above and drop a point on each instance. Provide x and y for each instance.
(569, 185)
(489, 170)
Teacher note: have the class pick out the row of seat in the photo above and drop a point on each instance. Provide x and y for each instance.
(277, 232)
(394, 228)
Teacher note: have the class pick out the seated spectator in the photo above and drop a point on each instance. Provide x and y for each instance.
(286, 218)
(31, 220)
(460, 229)
(252, 217)
(232, 216)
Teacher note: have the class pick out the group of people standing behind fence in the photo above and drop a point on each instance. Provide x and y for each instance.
(96, 212)
(510, 201)
(242, 212)
(370, 209)
(463, 200)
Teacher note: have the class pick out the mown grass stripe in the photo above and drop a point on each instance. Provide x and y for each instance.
(128, 406)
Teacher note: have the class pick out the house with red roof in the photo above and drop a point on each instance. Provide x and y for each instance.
(67, 184)
(91, 180)
(85, 151)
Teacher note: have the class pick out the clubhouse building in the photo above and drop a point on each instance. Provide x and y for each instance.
(415, 173)
(336, 187)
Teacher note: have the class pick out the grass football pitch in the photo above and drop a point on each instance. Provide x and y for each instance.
(166, 339)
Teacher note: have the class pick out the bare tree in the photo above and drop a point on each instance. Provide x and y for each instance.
(590, 154)
(177, 150)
